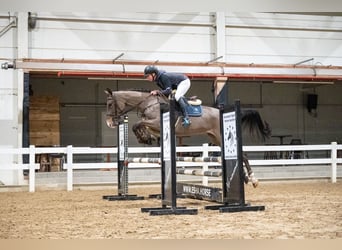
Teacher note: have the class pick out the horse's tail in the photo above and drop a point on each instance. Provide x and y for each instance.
(251, 119)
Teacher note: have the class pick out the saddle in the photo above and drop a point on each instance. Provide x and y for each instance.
(194, 106)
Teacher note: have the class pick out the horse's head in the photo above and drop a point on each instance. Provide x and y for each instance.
(120, 103)
(112, 117)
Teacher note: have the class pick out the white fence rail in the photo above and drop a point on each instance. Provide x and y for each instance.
(332, 158)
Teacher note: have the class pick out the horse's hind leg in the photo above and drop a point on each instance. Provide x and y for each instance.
(249, 175)
(214, 138)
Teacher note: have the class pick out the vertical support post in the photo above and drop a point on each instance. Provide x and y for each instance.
(23, 36)
(205, 167)
(233, 188)
(165, 154)
(168, 156)
(172, 135)
(122, 169)
(239, 151)
(220, 92)
(122, 156)
(233, 192)
(22, 52)
(69, 168)
(220, 36)
(19, 176)
(26, 106)
(125, 122)
(168, 165)
(32, 169)
(333, 162)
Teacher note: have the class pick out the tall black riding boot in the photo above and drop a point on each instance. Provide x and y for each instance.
(182, 103)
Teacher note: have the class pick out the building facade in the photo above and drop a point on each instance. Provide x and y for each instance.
(287, 66)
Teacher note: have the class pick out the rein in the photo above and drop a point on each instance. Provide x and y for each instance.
(153, 104)
(129, 107)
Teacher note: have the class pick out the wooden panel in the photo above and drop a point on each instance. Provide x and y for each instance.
(43, 125)
(44, 116)
(44, 101)
(56, 164)
(44, 121)
(45, 138)
(47, 108)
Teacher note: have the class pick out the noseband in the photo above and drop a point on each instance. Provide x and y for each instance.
(110, 112)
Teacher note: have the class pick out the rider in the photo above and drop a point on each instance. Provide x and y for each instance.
(168, 81)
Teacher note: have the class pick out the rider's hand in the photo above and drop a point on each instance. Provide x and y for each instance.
(154, 92)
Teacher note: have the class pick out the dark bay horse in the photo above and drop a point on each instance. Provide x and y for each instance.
(148, 128)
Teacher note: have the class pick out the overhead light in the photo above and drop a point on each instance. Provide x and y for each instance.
(7, 65)
(32, 20)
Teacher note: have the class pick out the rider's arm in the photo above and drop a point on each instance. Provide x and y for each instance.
(164, 82)
(166, 91)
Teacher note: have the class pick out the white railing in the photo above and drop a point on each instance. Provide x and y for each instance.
(69, 151)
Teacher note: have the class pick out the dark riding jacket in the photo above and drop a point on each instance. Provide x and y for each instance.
(169, 81)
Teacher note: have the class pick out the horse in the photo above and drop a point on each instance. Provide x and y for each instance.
(148, 128)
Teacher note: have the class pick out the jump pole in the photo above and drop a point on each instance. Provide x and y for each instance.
(122, 169)
(168, 166)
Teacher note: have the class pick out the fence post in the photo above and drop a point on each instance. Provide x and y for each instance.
(333, 162)
(205, 164)
(32, 169)
(69, 168)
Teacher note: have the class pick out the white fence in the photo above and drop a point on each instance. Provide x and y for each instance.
(69, 151)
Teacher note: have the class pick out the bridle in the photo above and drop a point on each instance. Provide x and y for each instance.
(110, 112)
(115, 113)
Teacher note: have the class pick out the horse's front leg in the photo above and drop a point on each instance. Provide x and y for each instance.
(249, 176)
(143, 133)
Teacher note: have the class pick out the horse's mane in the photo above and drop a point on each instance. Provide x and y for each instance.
(147, 91)
(140, 90)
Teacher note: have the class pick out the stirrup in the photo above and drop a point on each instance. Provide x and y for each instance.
(186, 122)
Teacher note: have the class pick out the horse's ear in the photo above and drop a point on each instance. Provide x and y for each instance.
(108, 91)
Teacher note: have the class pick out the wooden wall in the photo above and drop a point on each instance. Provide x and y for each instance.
(44, 121)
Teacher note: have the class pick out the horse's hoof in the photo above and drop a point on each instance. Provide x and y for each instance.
(255, 184)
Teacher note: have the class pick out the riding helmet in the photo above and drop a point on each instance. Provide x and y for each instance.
(150, 69)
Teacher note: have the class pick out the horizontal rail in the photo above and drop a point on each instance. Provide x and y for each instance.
(264, 148)
(7, 166)
(68, 152)
(290, 162)
(199, 172)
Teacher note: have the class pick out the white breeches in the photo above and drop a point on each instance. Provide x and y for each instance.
(182, 88)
